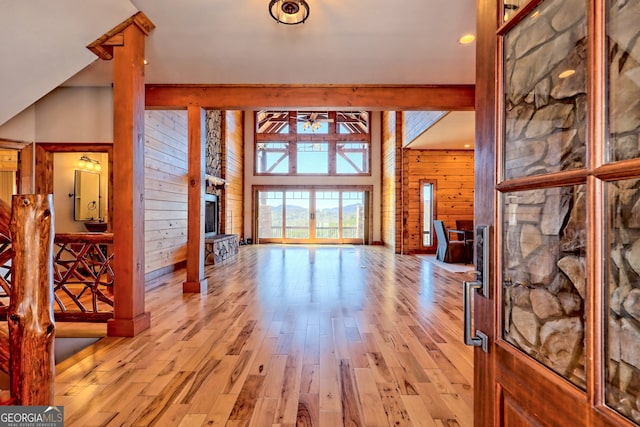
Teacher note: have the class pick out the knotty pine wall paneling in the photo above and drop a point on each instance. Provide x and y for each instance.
(388, 179)
(453, 171)
(233, 172)
(166, 165)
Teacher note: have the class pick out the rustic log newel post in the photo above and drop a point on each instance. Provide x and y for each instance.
(30, 319)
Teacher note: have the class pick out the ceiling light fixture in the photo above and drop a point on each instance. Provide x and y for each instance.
(87, 162)
(466, 39)
(289, 12)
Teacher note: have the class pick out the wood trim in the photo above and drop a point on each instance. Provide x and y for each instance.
(485, 311)
(14, 144)
(44, 165)
(102, 47)
(559, 179)
(243, 97)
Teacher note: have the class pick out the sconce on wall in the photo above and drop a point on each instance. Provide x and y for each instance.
(88, 163)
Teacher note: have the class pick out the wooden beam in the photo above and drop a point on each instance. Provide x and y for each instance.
(242, 97)
(196, 282)
(128, 174)
(102, 47)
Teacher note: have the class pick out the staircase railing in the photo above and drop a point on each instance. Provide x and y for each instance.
(82, 276)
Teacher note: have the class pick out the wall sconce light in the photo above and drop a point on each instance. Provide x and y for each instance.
(88, 163)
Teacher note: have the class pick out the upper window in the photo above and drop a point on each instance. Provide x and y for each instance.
(312, 143)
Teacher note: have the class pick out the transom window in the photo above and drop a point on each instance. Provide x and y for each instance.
(312, 143)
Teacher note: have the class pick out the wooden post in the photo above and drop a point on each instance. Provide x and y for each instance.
(31, 321)
(128, 190)
(196, 282)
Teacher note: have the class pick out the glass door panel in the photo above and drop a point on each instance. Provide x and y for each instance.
(297, 214)
(327, 215)
(622, 308)
(270, 214)
(544, 277)
(353, 220)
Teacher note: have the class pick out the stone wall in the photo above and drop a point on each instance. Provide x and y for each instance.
(544, 277)
(213, 164)
(624, 87)
(623, 338)
(623, 272)
(545, 110)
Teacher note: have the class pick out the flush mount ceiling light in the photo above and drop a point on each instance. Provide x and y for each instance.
(289, 12)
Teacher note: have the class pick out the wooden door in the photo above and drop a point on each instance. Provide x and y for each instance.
(558, 184)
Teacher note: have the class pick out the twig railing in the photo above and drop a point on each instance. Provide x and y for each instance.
(82, 276)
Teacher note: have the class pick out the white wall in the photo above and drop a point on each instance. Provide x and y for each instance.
(22, 127)
(374, 180)
(66, 114)
(75, 114)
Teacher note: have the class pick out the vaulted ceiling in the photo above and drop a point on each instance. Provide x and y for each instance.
(236, 42)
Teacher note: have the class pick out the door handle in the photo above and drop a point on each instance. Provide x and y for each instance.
(480, 339)
(481, 284)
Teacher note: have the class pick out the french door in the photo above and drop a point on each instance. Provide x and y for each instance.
(312, 215)
(558, 184)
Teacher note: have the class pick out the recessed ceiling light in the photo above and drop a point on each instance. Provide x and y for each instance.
(145, 62)
(566, 73)
(466, 39)
(467, 145)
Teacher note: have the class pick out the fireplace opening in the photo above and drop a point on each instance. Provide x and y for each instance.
(211, 215)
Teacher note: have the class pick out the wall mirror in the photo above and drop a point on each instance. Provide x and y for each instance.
(87, 195)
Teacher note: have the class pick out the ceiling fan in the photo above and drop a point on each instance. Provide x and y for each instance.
(313, 119)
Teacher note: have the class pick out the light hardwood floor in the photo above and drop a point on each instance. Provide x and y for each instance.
(286, 335)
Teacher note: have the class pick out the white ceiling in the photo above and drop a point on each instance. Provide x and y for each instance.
(237, 42)
(455, 131)
(342, 42)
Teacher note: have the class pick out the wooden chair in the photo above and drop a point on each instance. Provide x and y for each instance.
(454, 251)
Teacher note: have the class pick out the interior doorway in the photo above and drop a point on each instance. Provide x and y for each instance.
(289, 214)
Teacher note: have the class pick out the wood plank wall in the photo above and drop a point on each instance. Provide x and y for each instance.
(453, 171)
(165, 189)
(233, 172)
(388, 179)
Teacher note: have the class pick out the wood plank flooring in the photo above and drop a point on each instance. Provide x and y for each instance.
(286, 335)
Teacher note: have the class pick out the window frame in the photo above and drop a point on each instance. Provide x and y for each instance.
(332, 138)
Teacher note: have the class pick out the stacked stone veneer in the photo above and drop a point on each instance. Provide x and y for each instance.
(545, 114)
(221, 248)
(623, 374)
(213, 148)
(624, 84)
(544, 278)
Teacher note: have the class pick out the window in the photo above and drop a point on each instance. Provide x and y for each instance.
(312, 158)
(317, 142)
(272, 158)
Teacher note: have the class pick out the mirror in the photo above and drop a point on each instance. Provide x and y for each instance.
(87, 195)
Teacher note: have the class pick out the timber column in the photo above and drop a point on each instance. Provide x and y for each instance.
(130, 317)
(196, 282)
